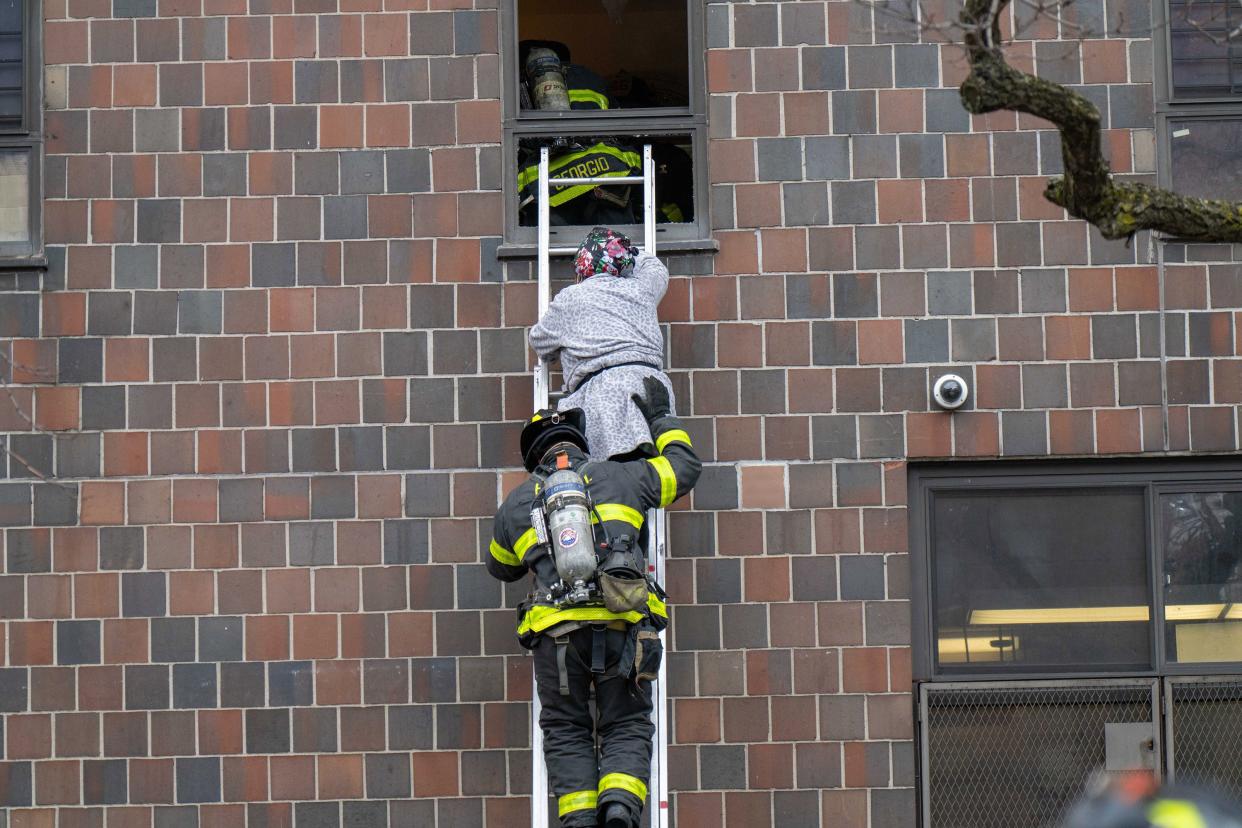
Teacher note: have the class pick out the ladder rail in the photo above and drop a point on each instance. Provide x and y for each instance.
(658, 810)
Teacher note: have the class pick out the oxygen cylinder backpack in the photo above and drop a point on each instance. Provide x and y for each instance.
(611, 572)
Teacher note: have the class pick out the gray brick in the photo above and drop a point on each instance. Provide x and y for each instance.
(887, 623)
(143, 594)
(451, 78)
(181, 265)
(1015, 153)
(870, 67)
(854, 112)
(159, 220)
(387, 777)
(762, 391)
(974, 340)
(241, 499)
(110, 313)
(311, 544)
(273, 265)
(1130, 107)
(78, 360)
(136, 266)
(718, 581)
(292, 683)
(174, 359)
(362, 172)
(36, 455)
(78, 642)
(696, 627)
(332, 496)
(224, 174)
(319, 263)
(315, 81)
(55, 504)
(199, 311)
(194, 686)
(823, 67)
(220, 639)
(241, 684)
(917, 66)
(862, 577)
(755, 25)
(1044, 386)
(157, 130)
(471, 32)
(1114, 337)
(853, 202)
(77, 455)
(454, 352)
(1109, 251)
(718, 26)
(361, 449)
(1050, 153)
(881, 435)
(944, 112)
(173, 639)
(1023, 433)
(780, 159)
(891, 808)
(295, 127)
(408, 447)
(717, 488)
(405, 353)
(875, 156)
(19, 314)
(198, 779)
(150, 406)
(834, 343)
(121, 547)
(996, 291)
(267, 731)
(14, 690)
(854, 295)
(426, 495)
(927, 340)
(1043, 291)
(808, 296)
(407, 79)
(806, 204)
(802, 24)
(409, 171)
(827, 158)
(316, 173)
(345, 217)
(103, 407)
(834, 437)
(146, 687)
(1059, 61)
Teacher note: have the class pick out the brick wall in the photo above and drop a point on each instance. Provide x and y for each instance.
(279, 373)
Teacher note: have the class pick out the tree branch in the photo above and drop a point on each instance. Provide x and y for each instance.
(1087, 189)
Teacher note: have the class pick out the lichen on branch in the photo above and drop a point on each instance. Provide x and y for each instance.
(1087, 190)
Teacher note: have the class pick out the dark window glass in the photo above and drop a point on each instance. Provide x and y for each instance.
(613, 54)
(1032, 580)
(1206, 57)
(1201, 543)
(1206, 156)
(612, 155)
(11, 69)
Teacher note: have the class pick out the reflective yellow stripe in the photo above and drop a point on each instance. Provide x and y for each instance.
(503, 555)
(668, 480)
(655, 606)
(626, 783)
(588, 96)
(676, 435)
(1174, 813)
(523, 544)
(619, 511)
(539, 618)
(576, 801)
(672, 212)
(531, 173)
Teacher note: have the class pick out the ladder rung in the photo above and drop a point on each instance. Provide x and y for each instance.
(624, 179)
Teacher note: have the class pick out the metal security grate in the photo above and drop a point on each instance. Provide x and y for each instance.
(1204, 720)
(1018, 753)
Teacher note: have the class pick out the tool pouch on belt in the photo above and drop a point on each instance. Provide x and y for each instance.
(642, 653)
(621, 579)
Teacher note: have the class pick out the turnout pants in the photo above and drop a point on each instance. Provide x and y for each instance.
(582, 782)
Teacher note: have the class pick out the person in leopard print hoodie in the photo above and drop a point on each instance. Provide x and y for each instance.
(606, 333)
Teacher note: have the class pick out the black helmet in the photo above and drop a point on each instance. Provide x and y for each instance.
(547, 428)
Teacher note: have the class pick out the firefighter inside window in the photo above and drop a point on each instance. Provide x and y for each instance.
(551, 81)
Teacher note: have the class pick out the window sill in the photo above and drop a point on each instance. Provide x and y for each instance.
(530, 251)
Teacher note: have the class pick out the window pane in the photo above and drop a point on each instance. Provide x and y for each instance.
(596, 156)
(1027, 580)
(614, 54)
(11, 77)
(1205, 61)
(1201, 543)
(14, 195)
(1206, 157)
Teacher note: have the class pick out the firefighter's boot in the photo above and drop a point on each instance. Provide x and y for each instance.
(617, 815)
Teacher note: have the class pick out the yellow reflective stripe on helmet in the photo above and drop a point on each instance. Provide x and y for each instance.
(523, 544)
(655, 606)
(576, 801)
(668, 480)
(675, 435)
(1175, 813)
(625, 782)
(619, 511)
(588, 96)
(539, 618)
(503, 555)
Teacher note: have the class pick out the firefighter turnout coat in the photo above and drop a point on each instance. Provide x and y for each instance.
(621, 493)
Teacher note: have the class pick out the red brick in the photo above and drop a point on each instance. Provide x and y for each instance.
(340, 126)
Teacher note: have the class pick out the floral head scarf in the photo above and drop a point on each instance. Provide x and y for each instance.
(604, 252)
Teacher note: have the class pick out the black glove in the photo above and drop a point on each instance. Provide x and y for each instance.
(656, 403)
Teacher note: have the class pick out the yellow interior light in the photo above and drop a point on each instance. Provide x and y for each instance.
(1058, 615)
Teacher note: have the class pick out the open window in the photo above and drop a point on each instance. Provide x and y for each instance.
(596, 80)
(21, 132)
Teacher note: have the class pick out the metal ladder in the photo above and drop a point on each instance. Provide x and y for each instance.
(657, 789)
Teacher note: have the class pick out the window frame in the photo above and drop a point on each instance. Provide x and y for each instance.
(521, 241)
(29, 136)
(1154, 477)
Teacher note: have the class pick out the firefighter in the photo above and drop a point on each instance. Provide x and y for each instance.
(1135, 799)
(593, 617)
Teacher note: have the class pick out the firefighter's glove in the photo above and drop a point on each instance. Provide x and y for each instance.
(656, 404)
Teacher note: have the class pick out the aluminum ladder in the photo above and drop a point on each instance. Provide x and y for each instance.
(657, 789)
